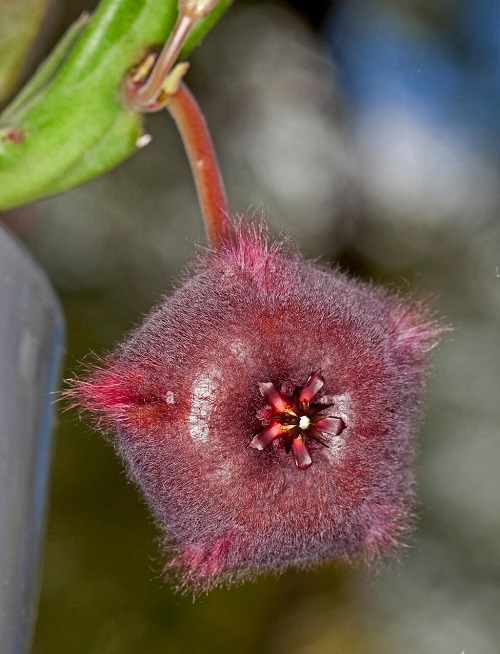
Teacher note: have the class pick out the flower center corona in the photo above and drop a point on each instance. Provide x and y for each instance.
(304, 422)
(298, 419)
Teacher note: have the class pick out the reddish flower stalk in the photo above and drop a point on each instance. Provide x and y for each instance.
(203, 160)
(154, 84)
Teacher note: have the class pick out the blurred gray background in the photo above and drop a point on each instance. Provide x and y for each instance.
(368, 131)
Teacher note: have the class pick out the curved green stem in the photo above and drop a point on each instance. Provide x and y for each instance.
(61, 130)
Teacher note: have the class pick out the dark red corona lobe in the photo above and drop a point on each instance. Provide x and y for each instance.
(296, 420)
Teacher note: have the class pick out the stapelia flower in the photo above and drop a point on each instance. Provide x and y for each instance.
(267, 411)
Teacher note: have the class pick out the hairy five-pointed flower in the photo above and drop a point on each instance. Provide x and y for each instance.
(256, 354)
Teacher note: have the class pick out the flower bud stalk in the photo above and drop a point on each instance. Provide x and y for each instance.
(203, 160)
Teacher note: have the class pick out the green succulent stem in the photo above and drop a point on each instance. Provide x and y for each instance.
(70, 124)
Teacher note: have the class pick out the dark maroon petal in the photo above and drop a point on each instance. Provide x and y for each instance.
(314, 410)
(334, 426)
(301, 454)
(288, 437)
(318, 436)
(312, 386)
(273, 397)
(266, 436)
